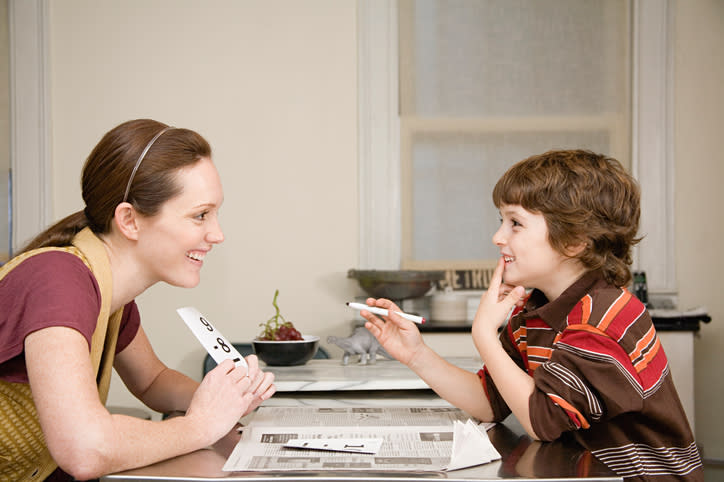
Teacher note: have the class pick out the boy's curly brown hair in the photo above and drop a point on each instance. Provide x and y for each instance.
(585, 198)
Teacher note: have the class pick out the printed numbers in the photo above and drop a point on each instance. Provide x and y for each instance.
(206, 323)
(223, 345)
(221, 342)
(210, 338)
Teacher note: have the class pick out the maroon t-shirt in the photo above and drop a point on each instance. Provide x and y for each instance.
(51, 289)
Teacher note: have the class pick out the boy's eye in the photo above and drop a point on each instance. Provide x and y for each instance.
(513, 222)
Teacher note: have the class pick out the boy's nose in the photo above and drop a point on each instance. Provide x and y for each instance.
(498, 238)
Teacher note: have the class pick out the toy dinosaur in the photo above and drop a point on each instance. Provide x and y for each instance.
(361, 342)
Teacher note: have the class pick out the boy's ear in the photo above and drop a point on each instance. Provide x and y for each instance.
(573, 250)
(126, 220)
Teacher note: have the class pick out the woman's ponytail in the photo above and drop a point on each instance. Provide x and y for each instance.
(60, 233)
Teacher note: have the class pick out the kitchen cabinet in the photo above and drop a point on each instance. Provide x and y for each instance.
(679, 348)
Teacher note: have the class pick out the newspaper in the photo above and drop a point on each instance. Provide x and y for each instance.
(413, 439)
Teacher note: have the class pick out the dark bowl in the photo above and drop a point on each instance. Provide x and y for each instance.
(286, 353)
(395, 284)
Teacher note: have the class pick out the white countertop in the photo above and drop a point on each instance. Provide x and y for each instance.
(330, 375)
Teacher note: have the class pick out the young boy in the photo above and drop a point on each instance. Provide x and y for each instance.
(579, 354)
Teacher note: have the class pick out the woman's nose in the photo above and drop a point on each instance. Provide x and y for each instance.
(216, 235)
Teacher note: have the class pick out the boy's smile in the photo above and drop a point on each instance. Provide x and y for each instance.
(530, 260)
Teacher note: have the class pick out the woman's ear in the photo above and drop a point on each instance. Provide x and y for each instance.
(126, 220)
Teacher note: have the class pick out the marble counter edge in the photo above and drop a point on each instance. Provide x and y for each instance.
(330, 375)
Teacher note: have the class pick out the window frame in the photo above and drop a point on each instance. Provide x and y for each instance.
(29, 119)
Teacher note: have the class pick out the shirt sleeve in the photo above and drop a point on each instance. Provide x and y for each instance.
(49, 289)
(508, 341)
(129, 326)
(585, 381)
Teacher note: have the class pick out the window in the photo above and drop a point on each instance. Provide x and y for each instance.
(484, 84)
(517, 81)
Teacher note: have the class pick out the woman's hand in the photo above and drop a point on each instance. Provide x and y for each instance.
(399, 337)
(262, 383)
(222, 398)
(495, 305)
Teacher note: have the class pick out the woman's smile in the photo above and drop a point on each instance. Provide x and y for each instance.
(196, 255)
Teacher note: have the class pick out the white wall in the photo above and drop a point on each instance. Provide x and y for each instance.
(272, 86)
(699, 122)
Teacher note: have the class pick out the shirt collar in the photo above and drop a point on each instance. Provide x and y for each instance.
(555, 312)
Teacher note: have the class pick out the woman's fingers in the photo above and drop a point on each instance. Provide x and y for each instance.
(265, 388)
(249, 380)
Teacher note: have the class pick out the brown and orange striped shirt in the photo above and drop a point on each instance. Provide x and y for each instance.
(601, 375)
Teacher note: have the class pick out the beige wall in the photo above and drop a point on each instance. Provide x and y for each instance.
(699, 125)
(271, 84)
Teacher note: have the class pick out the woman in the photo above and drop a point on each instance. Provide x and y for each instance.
(67, 314)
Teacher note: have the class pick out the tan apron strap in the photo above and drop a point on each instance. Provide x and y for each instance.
(103, 343)
(8, 267)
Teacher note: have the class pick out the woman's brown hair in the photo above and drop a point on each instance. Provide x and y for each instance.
(585, 198)
(108, 169)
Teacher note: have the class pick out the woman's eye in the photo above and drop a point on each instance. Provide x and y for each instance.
(202, 216)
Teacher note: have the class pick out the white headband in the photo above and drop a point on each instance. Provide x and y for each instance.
(140, 158)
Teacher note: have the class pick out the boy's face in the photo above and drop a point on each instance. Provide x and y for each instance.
(530, 260)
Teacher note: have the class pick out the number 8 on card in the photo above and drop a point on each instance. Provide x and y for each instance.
(211, 339)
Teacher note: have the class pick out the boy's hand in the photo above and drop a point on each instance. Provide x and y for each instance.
(505, 290)
(495, 305)
(398, 336)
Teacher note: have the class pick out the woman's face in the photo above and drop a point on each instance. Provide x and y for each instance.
(174, 242)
